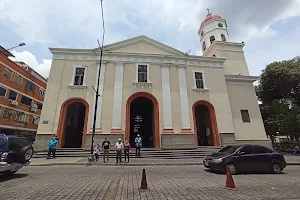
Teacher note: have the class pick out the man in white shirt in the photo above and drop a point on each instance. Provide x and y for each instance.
(119, 148)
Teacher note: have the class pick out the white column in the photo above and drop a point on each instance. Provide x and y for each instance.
(101, 84)
(166, 94)
(185, 114)
(118, 91)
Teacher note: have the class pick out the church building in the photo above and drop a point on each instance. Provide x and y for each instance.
(172, 99)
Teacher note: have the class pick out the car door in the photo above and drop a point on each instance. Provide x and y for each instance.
(245, 159)
(262, 158)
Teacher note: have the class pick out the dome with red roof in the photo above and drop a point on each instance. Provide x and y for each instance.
(211, 16)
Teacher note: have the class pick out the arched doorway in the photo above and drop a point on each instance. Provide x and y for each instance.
(142, 118)
(205, 124)
(73, 123)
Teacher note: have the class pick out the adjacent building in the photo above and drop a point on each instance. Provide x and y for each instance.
(170, 98)
(22, 92)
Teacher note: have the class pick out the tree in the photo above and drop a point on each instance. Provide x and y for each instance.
(279, 92)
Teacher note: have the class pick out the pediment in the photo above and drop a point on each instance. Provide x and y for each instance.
(142, 45)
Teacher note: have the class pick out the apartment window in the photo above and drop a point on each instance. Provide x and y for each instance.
(39, 105)
(12, 95)
(7, 73)
(18, 79)
(204, 46)
(7, 113)
(142, 73)
(35, 120)
(199, 82)
(26, 101)
(79, 76)
(245, 116)
(22, 117)
(42, 92)
(2, 91)
(30, 85)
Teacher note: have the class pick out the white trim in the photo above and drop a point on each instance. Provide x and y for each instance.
(74, 71)
(23, 94)
(24, 77)
(5, 91)
(184, 103)
(137, 74)
(18, 128)
(203, 78)
(166, 94)
(12, 108)
(118, 92)
(101, 84)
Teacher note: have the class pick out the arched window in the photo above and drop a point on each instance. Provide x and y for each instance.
(223, 37)
(212, 38)
(204, 46)
(202, 33)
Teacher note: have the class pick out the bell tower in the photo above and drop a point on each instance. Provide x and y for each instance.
(213, 28)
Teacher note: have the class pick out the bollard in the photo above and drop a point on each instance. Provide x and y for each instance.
(144, 180)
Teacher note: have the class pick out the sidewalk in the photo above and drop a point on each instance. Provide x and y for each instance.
(290, 159)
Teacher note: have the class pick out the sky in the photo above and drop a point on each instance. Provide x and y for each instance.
(269, 28)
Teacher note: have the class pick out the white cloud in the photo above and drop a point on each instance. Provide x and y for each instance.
(28, 58)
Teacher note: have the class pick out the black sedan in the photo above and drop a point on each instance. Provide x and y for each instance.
(246, 158)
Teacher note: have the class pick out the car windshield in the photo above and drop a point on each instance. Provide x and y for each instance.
(1, 143)
(231, 150)
(225, 148)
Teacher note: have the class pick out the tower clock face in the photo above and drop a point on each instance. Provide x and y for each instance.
(220, 25)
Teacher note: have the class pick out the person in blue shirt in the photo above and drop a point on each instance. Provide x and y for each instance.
(52, 147)
(138, 145)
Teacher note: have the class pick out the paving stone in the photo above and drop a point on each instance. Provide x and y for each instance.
(164, 183)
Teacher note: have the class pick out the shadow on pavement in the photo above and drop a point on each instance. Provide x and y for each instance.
(243, 173)
(10, 177)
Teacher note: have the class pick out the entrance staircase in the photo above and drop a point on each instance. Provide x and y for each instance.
(153, 153)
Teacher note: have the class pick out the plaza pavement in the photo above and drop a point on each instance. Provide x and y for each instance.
(164, 182)
(290, 159)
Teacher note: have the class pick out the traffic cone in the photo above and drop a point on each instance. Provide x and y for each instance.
(229, 180)
(144, 180)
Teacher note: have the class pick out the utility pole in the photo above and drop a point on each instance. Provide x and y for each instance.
(98, 81)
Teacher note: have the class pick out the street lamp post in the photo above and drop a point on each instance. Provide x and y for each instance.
(19, 45)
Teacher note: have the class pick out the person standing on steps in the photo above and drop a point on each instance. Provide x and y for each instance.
(105, 147)
(126, 150)
(119, 148)
(138, 145)
(52, 147)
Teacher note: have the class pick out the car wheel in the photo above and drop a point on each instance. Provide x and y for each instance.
(232, 168)
(26, 154)
(276, 168)
(9, 173)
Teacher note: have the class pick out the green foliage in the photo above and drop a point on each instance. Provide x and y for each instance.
(279, 92)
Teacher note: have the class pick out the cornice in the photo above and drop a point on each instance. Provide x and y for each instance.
(145, 58)
(241, 78)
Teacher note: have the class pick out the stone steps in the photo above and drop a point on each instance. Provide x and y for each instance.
(200, 152)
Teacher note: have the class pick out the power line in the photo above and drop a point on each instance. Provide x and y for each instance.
(251, 16)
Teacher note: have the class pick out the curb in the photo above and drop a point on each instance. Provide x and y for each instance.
(127, 164)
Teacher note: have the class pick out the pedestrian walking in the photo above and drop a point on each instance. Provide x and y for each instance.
(138, 145)
(105, 147)
(52, 147)
(296, 149)
(97, 152)
(119, 148)
(126, 150)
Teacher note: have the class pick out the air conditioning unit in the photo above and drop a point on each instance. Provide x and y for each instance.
(33, 109)
(12, 102)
